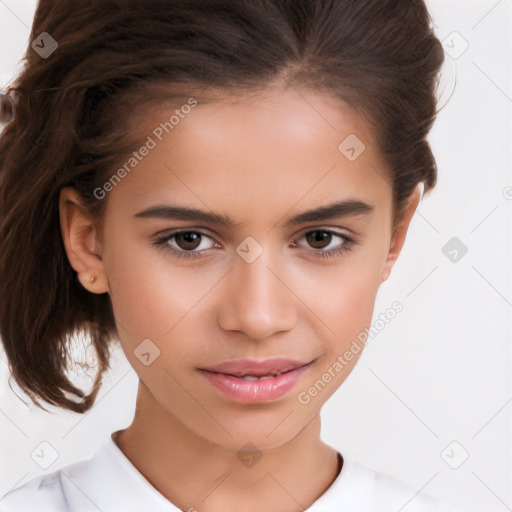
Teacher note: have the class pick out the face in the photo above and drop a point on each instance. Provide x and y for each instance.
(274, 272)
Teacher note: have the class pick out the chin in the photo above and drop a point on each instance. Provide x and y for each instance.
(265, 432)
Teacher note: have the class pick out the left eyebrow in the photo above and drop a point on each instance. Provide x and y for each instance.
(330, 211)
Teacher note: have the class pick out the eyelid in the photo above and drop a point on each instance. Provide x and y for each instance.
(331, 229)
(346, 238)
(170, 233)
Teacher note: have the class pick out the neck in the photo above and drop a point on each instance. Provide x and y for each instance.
(194, 473)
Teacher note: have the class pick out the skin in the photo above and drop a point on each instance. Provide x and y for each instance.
(260, 161)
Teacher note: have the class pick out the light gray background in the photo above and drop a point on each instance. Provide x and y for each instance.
(433, 387)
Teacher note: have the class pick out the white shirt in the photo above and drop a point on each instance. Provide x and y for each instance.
(109, 482)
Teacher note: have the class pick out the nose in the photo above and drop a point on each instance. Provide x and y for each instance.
(257, 300)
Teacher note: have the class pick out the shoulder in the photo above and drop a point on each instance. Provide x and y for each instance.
(393, 493)
(43, 493)
(360, 488)
(55, 492)
(105, 481)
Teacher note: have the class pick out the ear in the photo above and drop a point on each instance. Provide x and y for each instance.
(400, 231)
(81, 241)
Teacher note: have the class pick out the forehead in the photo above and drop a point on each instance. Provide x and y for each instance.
(278, 146)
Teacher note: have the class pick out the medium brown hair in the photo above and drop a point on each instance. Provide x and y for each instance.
(380, 57)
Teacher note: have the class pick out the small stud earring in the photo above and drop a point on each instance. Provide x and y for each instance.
(92, 279)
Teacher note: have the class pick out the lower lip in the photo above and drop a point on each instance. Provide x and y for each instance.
(254, 391)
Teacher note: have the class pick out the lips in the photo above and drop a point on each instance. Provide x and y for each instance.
(252, 381)
(255, 368)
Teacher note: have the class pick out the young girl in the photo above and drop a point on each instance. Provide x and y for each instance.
(221, 186)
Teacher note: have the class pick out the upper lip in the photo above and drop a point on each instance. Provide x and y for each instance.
(254, 367)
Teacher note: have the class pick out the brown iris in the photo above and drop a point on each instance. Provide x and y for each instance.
(318, 237)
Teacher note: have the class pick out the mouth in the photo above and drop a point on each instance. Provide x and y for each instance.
(253, 381)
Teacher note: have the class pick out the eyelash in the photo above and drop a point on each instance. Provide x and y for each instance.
(161, 242)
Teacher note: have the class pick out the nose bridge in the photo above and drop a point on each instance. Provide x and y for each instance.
(257, 301)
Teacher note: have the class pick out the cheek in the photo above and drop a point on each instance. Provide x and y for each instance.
(160, 302)
(344, 302)
(343, 294)
(150, 293)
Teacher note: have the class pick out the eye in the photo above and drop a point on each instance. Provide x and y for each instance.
(327, 243)
(185, 244)
(194, 244)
